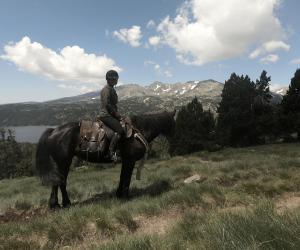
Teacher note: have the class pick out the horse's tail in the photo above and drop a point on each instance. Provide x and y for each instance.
(46, 169)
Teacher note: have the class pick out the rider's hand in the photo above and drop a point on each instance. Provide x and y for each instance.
(126, 119)
(118, 116)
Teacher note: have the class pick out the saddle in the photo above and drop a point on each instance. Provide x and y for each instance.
(95, 136)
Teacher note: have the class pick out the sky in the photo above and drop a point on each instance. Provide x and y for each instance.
(59, 48)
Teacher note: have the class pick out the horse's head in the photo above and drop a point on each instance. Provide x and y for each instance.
(153, 124)
(169, 124)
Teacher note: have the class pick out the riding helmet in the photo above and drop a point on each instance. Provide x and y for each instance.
(112, 75)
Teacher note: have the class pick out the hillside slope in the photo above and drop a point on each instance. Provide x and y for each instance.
(242, 200)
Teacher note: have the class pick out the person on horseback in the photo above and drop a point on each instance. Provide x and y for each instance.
(109, 111)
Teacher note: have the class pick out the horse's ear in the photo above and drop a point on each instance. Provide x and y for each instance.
(174, 113)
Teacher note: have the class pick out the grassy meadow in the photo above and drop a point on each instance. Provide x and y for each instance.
(247, 198)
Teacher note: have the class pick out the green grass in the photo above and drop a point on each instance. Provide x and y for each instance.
(234, 208)
(105, 225)
(124, 217)
(258, 228)
(18, 244)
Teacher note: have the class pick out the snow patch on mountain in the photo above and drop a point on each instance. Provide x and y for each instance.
(281, 91)
(167, 90)
(183, 91)
(193, 86)
(278, 89)
(157, 87)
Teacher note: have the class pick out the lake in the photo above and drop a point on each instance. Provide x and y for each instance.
(29, 133)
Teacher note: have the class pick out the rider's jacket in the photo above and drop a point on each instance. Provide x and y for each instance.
(108, 102)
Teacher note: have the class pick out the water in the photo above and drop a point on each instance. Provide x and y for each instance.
(29, 133)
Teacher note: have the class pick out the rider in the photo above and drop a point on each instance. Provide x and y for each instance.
(109, 111)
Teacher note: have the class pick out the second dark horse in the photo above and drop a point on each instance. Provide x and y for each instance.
(57, 147)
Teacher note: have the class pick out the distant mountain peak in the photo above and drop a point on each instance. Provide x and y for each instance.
(180, 89)
(133, 99)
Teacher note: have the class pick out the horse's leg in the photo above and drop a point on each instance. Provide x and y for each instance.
(53, 202)
(64, 168)
(125, 178)
(65, 198)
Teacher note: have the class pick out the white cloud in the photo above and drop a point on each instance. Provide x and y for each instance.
(211, 30)
(168, 73)
(272, 58)
(153, 64)
(131, 36)
(256, 53)
(71, 64)
(150, 24)
(154, 40)
(295, 61)
(147, 63)
(276, 45)
(268, 47)
(78, 88)
(159, 70)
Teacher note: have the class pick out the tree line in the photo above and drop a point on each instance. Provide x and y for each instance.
(245, 116)
(16, 159)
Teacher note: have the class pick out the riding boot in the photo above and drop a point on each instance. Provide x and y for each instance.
(113, 146)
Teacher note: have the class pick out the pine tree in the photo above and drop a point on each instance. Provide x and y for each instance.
(194, 128)
(291, 105)
(264, 112)
(236, 112)
(291, 101)
(262, 87)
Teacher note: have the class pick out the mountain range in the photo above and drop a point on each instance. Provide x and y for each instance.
(133, 99)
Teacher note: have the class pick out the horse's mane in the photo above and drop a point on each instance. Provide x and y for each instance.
(69, 125)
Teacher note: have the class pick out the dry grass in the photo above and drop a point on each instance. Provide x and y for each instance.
(254, 190)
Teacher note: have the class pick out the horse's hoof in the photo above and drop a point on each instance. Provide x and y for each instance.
(66, 205)
(54, 206)
(122, 195)
(119, 194)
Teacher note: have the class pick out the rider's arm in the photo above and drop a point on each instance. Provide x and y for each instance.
(105, 99)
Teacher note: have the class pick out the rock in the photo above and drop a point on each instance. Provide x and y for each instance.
(81, 168)
(195, 178)
(294, 135)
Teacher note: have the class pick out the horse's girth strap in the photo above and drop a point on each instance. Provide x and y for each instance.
(142, 139)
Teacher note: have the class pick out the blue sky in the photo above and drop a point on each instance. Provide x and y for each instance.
(52, 49)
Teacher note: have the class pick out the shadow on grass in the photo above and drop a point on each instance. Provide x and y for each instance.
(155, 189)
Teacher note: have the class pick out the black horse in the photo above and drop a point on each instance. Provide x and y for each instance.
(59, 146)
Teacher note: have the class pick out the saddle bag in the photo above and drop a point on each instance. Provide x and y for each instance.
(95, 137)
(92, 137)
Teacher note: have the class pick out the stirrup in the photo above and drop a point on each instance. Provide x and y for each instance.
(114, 157)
